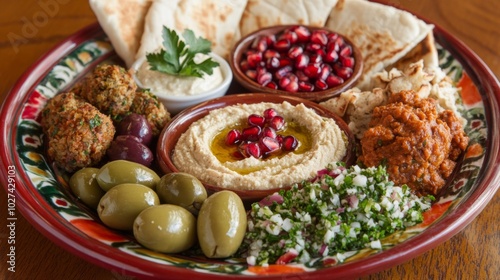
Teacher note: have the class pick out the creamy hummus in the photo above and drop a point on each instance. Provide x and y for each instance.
(193, 153)
(165, 85)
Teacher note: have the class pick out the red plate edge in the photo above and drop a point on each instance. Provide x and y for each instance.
(59, 233)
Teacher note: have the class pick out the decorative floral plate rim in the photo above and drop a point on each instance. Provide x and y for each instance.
(53, 211)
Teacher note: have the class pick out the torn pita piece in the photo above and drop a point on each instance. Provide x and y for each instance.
(214, 20)
(263, 13)
(123, 23)
(383, 34)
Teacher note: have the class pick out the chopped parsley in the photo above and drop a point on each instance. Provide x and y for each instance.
(95, 122)
(341, 210)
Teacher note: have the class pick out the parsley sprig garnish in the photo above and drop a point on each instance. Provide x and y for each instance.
(177, 56)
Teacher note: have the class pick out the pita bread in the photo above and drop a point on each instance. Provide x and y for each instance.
(264, 13)
(383, 34)
(215, 20)
(425, 51)
(123, 22)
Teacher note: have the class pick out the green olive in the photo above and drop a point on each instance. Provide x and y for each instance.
(84, 185)
(182, 189)
(119, 207)
(221, 224)
(122, 171)
(165, 228)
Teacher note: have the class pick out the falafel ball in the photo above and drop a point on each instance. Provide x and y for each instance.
(79, 135)
(60, 103)
(147, 104)
(110, 88)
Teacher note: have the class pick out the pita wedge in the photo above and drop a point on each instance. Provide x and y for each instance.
(123, 22)
(215, 20)
(383, 34)
(264, 13)
(425, 51)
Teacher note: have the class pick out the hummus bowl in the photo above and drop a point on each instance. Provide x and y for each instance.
(168, 140)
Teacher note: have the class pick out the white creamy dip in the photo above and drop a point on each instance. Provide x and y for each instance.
(165, 85)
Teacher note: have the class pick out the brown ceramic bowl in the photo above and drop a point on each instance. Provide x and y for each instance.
(181, 122)
(244, 43)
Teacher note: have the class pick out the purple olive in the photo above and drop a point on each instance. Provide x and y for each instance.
(130, 148)
(136, 125)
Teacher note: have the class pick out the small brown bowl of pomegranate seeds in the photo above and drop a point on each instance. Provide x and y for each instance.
(309, 62)
(261, 135)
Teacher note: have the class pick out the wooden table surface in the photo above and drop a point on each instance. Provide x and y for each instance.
(28, 29)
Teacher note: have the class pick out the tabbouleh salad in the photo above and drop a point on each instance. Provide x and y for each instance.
(339, 211)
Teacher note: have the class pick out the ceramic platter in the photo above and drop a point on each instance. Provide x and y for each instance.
(44, 199)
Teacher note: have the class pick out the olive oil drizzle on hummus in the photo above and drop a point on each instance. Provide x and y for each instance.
(225, 153)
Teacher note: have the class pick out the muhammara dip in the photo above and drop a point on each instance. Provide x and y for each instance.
(193, 154)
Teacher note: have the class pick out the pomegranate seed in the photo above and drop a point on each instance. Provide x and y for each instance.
(244, 65)
(251, 133)
(254, 59)
(290, 85)
(315, 58)
(305, 86)
(285, 62)
(282, 72)
(320, 52)
(238, 155)
(261, 70)
(289, 35)
(269, 113)
(340, 41)
(272, 85)
(331, 56)
(259, 44)
(293, 86)
(333, 80)
(256, 120)
(272, 63)
(346, 51)
(301, 61)
(303, 34)
(233, 137)
(332, 46)
(253, 150)
(270, 39)
(332, 36)
(279, 138)
(312, 70)
(319, 38)
(290, 143)
(264, 79)
(271, 53)
(252, 74)
(343, 72)
(347, 61)
(301, 76)
(242, 149)
(277, 122)
(324, 72)
(320, 84)
(282, 45)
(269, 144)
(295, 51)
(269, 132)
(284, 81)
(313, 47)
